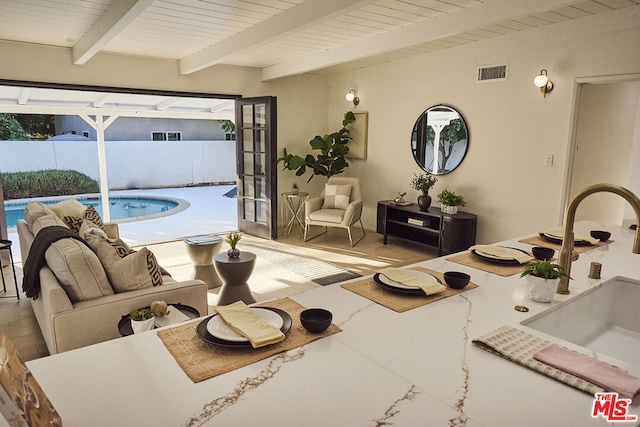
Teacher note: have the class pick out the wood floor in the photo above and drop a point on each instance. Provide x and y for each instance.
(18, 321)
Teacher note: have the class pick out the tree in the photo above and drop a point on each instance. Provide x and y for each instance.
(331, 160)
(454, 132)
(37, 126)
(11, 129)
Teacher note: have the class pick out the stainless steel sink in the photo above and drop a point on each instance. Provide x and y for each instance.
(605, 319)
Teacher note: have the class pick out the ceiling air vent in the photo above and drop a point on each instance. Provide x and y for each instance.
(492, 73)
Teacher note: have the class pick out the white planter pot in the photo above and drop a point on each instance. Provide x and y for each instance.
(451, 210)
(541, 290)
(142, 325)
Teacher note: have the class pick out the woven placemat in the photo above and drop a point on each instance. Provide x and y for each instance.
(470, 260)
(397, 301)
(201, 360)
(539, 241)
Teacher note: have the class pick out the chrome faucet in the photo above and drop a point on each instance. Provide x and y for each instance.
(564, 258)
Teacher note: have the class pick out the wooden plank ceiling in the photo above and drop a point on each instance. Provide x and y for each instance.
(280, 37)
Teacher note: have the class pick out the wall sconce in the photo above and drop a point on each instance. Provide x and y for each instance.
(351, 96)
(543, 82)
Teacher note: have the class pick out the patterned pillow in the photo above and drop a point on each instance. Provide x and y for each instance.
(336, 196)
(75, 222)
(136, 271)
(127, 269)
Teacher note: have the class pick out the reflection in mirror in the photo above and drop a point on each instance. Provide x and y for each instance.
(445, 125)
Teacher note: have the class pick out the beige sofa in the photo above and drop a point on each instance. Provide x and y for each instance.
(88, 314)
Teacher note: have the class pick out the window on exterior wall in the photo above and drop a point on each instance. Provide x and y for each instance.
(174, 136)
(166, 136)
(85, 134)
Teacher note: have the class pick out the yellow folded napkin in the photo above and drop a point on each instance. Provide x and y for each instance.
(241, 319)
(497, 251)
(560, 235)
(429, 286)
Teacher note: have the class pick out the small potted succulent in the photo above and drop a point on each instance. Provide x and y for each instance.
(232, 239)
(294, 189)
(542, 279)
(141, 320)
(423, 183)
(450, 201)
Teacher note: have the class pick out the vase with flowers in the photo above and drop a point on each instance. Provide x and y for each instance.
(232, 239)
(423, 183)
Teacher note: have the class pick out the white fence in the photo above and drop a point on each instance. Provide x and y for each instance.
(130, 164)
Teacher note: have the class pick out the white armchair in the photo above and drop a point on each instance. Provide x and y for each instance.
(342, 211)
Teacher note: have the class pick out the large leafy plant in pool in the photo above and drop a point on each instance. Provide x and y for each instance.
(331, 159)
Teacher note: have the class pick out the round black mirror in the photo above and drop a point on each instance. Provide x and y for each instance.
(446, 127)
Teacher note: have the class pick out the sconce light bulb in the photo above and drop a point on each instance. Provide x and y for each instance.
(541, 80)
(350, 95)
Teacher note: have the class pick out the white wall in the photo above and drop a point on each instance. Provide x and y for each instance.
(511, 126)
(604, 137)
(130, 164)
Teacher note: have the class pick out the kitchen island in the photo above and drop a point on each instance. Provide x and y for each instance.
(415, 368)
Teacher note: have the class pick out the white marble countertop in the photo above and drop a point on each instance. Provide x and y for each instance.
(386, 368)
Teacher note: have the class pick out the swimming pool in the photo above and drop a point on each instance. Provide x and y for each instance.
(121, 208)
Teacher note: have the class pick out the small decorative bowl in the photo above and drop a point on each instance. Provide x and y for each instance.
(601, 235)
(316, 320)
(542, 253)
(456, 279)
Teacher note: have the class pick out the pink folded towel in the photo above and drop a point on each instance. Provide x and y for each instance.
(600, 373)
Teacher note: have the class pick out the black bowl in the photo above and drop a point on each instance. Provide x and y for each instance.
(456, 279)
(542, 253)
(316, 320)
(601, 235)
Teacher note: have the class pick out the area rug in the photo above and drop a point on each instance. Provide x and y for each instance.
(299, 262)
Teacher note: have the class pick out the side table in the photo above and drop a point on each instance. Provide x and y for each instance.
(235, 272)
(294, 204)
(201, 250)
(5, 245)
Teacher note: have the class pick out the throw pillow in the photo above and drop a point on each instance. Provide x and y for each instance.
(75, 222)
(336, 196)
(126, 272)
(68, 207)
(136, 271)
(33, 211)
(78, 270)
(46, 221)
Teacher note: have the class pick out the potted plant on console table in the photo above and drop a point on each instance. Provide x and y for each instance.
(542, 280)
(450, 201)
(423, 183)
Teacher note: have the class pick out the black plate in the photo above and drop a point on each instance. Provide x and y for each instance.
(558, 240)
(495, 260)
(124, 325)
(203, 333)
(380, 283)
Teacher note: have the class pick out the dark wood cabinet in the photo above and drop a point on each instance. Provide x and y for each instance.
(447, 233)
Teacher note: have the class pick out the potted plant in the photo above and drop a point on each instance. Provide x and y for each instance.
(232, 239)
(141, 320)
(450, 201)
(542, 279)
(294, 188)
(331, 159)
(423, 183)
